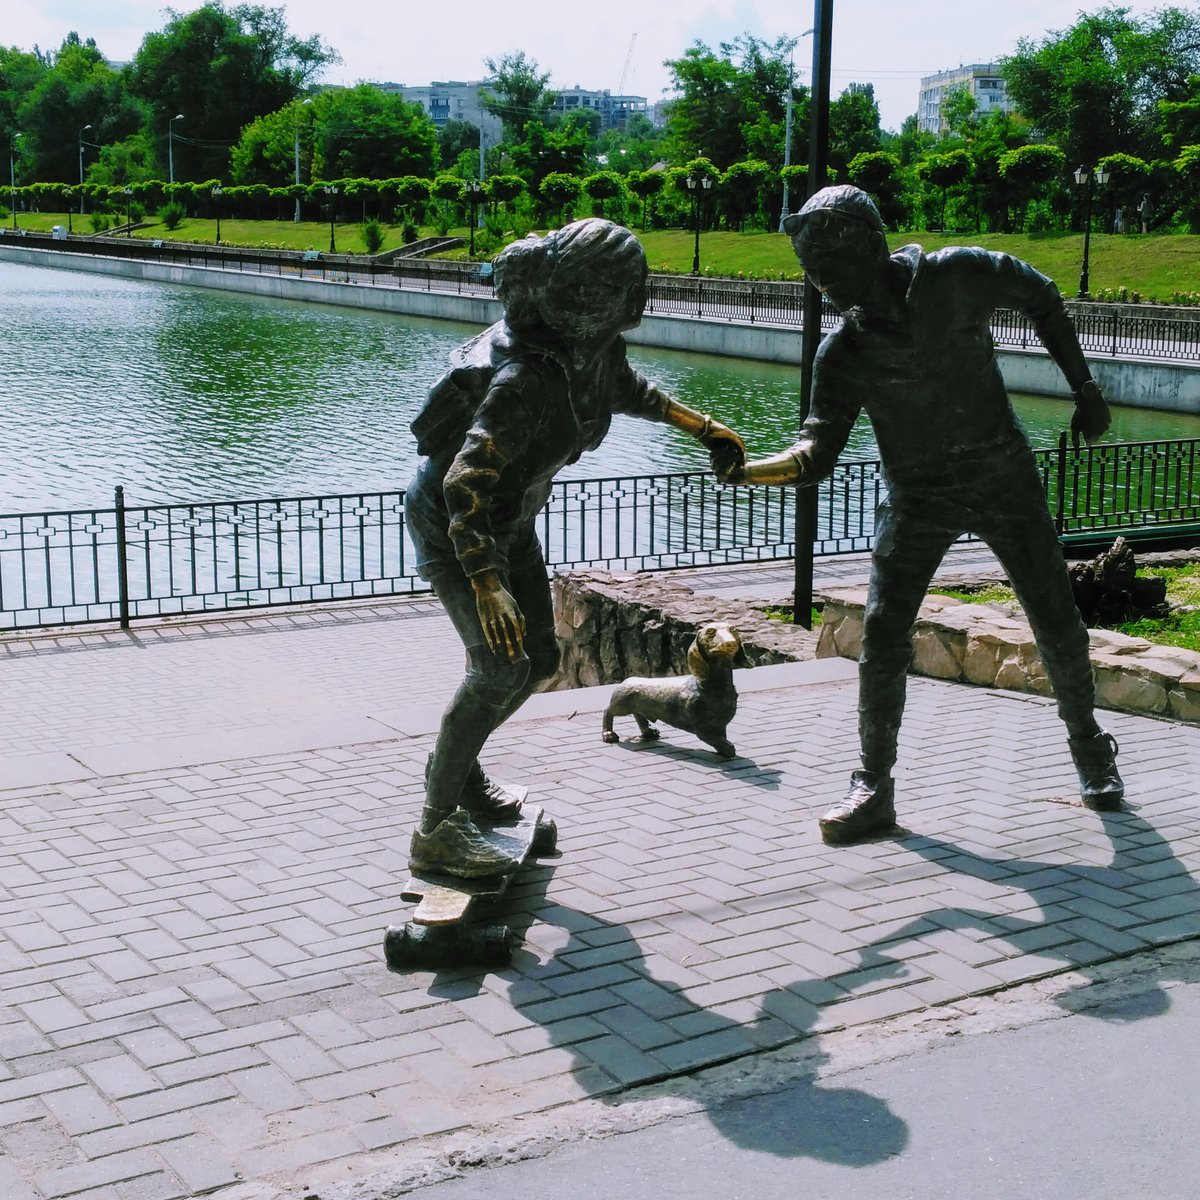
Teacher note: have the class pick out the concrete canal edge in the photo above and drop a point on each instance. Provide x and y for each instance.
(1135, 383)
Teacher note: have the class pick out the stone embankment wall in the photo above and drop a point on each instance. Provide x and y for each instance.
(985, 645)
(613, 625)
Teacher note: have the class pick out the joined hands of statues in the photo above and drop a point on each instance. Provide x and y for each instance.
(1091, 417)
(726, 451)
(500, 615)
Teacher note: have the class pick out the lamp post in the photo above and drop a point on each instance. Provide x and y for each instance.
(128, 191)
(698, 185)
(474, 192)
(331, 192)
(171, 146)
(68, 196)
(81, 144)
(296, 149)
(12, 174)
(217, 193)
(1088, 179)
(787, 127)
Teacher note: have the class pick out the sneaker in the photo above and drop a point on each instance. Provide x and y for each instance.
(457, 847)
(1095, 758)
(869, 808)
(491, 802)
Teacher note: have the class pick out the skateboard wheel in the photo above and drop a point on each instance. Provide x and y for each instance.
(545, 836)
(492, 945)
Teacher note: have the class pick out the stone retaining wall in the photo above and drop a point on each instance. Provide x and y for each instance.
(984, 644)
(614, 625)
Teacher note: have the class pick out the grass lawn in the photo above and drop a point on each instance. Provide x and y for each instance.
(1179, 628)
(1154, 266)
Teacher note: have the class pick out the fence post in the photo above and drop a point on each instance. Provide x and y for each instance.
(1060, 499)
(122, 559)
(699, 298)
(1116, 324)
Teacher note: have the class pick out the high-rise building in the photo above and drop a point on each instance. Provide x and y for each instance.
(982, 80)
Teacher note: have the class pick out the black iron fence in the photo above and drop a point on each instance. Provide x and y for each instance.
(1103, 329)
(133, 561)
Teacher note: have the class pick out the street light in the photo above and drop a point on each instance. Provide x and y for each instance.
(68, 196)
(217, 193)
(1084, 177)
(787, 129)
(698, 185)
(474, 192)
(12, 175)
(128, 210)
(81, 144)
(331, 192)
(297, 156)
(171, 146)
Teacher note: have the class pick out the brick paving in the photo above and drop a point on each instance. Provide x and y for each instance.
(193, 992)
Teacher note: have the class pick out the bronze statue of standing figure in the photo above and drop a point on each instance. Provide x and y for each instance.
(519, 402)
(915, 352)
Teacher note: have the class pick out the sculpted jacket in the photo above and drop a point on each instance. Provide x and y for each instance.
(502, 422)
(930, 384)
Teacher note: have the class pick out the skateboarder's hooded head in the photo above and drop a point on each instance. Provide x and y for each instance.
(838, 236)
(581, 281)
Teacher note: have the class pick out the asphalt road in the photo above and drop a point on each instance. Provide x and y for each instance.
(1080, 1106)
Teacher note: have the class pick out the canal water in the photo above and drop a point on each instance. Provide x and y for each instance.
(187, 394)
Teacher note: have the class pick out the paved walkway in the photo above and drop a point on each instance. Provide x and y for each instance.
(202, 836)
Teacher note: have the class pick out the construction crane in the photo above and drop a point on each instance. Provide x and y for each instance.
(621, 86)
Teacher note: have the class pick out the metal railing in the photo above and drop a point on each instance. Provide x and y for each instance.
(1103, 329)
(136, 561)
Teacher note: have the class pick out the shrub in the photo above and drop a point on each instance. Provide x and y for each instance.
(373, 236)
(408, 232)
(100, 221)
(172, 215)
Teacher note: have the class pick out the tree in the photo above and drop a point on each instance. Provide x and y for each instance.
(645, 185)
(365, 131)
(945, 171)
(558, 191)
(731, 104)
(221, 68)
(519, 92)
(504, 189)
(741, 189)
(853, 125)
(1028, 168)
(603, 185)
(457, 138)
(878, 173)
(1094, 89)
(563, 150)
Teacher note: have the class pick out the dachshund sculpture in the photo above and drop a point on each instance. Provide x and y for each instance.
(702, 703)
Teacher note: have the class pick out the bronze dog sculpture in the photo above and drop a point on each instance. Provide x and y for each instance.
(702, 703)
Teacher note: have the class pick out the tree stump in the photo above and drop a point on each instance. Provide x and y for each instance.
(1108, 592)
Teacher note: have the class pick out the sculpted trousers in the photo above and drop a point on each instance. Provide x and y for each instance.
(913, 534)
(494, 688)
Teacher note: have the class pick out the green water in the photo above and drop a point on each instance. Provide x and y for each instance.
(185, 394)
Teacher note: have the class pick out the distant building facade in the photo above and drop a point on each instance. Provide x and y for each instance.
(453, 100)
(982, 80)
(614, 111)
(456, 100)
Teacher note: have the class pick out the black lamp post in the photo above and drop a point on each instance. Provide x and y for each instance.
(128, 211)
(474, 194)
(12, 174)
(81, 145)
(698, 185)
(331, 192)
(1088, 179)
(68, 196)
(217, 192)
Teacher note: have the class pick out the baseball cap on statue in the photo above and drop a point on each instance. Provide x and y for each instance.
(828, 208)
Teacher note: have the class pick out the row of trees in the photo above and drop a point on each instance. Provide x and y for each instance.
(231, 94)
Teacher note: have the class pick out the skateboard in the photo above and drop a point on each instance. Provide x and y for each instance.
(441, 931)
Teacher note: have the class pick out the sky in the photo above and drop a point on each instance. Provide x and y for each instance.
(615, 46)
